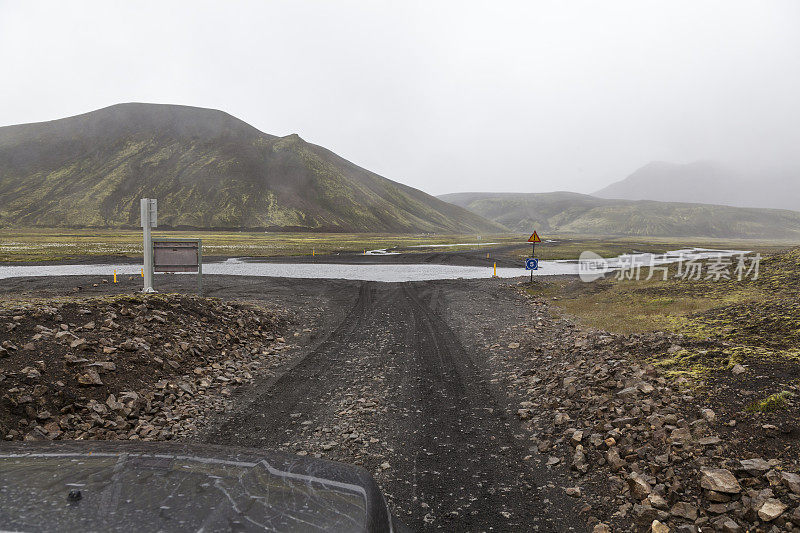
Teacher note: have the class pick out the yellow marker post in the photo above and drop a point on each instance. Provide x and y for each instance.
(495, 270)
(115, 275)
(312, 252)
(487, 256)
(142, 272)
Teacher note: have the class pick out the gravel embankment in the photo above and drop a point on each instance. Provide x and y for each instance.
(129, 366)
(646, 450)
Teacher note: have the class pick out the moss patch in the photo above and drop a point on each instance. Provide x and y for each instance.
(774, 402)
(749, 321)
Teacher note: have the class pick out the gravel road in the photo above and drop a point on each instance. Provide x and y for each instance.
(389, 385)
(382, 380)
(478, 408)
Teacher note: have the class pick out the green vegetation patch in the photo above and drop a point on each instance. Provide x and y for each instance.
(58, 244)
(774, 323)
(774, 402)
(755, 321)
(692, 364)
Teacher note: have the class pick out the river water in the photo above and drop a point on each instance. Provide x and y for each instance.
(373, 272)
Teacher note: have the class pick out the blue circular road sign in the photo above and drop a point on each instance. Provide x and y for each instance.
(531, 264)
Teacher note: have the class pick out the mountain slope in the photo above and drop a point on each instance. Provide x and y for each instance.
(207, 169)
(710, 183)
(566, 212)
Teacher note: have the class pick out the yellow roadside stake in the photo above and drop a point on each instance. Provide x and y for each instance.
(312, 252)
(142, 272)
(115, 275)
(495, 270)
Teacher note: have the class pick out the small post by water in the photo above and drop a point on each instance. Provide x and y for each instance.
(533, 254)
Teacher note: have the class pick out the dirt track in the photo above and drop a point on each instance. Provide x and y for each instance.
(442, 441)
(454, 461)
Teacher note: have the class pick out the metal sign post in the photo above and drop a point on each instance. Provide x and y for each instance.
(532, 263)
(149, 221)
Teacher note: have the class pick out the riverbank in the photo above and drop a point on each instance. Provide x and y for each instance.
(33, 246)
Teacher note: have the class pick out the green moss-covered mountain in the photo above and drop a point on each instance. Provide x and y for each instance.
(567, 212)
(207, 169)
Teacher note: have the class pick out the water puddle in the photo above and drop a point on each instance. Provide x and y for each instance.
(381, 251)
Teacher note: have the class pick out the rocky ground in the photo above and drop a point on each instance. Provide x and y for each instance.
(128, 366)
(477, 405)
(648, 449)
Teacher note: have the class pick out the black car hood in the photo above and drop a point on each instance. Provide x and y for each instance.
(126, 486)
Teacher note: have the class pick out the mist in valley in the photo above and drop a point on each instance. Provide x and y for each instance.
(450, 96)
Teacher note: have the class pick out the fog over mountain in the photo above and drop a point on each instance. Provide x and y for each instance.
(573, 213)
(443, 96)
(709, 182)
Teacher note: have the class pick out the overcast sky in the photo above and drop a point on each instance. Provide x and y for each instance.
(445, 96)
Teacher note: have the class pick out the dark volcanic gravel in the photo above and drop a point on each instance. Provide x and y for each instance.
(477, 408)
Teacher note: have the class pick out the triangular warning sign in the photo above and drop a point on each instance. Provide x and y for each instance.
(535, 238)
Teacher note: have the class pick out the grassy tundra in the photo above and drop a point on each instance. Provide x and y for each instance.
(749, 323)
(45, 244)
(59, 244)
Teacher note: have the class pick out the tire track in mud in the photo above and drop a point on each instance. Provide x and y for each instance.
(455, 463)
(266, 411)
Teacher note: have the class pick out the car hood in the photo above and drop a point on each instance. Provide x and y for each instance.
(130, 486)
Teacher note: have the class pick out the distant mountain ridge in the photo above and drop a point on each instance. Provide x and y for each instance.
(207, 169)
(708, 182)
(567, 212)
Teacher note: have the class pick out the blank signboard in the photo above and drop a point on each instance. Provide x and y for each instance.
(176, 256)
